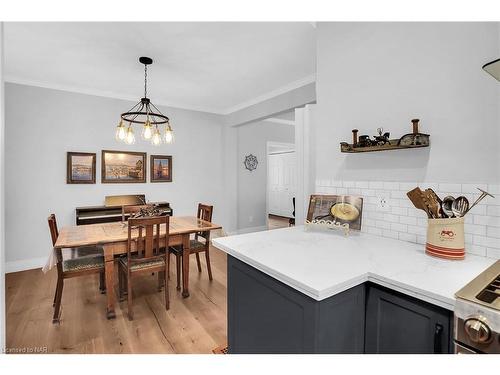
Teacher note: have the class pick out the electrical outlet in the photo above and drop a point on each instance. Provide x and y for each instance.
(250, 219)
(383, 204)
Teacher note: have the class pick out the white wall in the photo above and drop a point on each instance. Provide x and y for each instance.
(2, 201)
(43, 124)
(252, 139)
(280, 103)
(384, 74)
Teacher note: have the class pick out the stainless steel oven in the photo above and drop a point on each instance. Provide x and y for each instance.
(477, 314)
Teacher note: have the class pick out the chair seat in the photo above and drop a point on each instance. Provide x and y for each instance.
(193, 245)
(139, 266)
(78, 252)
(83, 263)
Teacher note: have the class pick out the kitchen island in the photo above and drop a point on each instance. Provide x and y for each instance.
(294, 290)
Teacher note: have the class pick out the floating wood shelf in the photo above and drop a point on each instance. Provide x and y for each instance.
(393, 146)
(365, 144)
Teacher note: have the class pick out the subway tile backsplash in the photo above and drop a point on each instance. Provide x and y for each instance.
(402, 221)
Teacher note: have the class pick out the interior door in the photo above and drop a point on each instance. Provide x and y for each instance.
(282, 177)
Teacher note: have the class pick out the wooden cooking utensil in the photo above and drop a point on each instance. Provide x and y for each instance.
(433, 202)
(415, 196)
(440, 202)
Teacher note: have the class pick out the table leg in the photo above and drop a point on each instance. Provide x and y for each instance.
(109, 270)
(185, 265)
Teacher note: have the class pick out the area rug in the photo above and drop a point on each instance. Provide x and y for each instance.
(220, 350)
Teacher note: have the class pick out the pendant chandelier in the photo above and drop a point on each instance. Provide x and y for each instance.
(146, 114)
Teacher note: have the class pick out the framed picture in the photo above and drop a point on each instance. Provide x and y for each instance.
(338, 208)
(123, 167)
(80, 168)
(161, 168)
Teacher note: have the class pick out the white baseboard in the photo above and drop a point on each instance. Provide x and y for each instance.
(248, 230)
(25, 264)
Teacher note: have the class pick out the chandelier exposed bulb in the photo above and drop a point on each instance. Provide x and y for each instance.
(147, 130)
(121, 132)
(156, 140)
(169, 134)
(130, 138)
(144, 113)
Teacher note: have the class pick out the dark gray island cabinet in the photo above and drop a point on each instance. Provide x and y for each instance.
(267, 316)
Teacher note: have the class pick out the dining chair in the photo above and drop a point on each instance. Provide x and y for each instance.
(200, 244)
(291, 221)
(133, 209)
(144, 254)
(74, 262)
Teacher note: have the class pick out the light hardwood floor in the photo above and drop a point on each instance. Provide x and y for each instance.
(276, 222)
(193, 325)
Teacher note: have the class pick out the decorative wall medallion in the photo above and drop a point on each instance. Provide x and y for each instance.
(251, 162)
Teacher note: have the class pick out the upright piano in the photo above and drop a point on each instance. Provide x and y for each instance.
(112, 209)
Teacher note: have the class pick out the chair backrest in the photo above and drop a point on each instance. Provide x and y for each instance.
(204, 213)
(148, 239)
(132, 209)
(54, 232)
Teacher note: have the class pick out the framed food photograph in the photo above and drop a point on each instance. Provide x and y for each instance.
(123, 167)
(161, 168)
(80, 168)
(336, 208)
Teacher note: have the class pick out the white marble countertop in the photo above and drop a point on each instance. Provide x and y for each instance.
(321, 264)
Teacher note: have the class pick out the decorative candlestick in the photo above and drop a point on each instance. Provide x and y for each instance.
(415, 125)
(354, 137)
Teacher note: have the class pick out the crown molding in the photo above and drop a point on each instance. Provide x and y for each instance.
(271, 94)
(110, 94)
(280, 121)
(105, 94)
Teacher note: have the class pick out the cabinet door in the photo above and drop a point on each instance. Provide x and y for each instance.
(266, 316)
(396, 323)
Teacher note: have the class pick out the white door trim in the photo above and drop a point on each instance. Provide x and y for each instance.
(303, 154)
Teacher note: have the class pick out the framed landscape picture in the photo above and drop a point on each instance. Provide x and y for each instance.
(161, 168)
(123, 167)
(80, 168)
(337, 208)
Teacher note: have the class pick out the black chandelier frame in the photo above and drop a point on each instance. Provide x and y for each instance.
(145, 111)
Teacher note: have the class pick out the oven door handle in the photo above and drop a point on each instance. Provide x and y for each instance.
(438, 332)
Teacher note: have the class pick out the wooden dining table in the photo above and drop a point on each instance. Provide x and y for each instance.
(113, 239)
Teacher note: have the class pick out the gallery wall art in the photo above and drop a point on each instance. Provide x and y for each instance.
(161, 168)
(80, 168)
(123, 167)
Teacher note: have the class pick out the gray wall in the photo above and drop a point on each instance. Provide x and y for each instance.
(43, 124)
(384, 74)
(252, 139)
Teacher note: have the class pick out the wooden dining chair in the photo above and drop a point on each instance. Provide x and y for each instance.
(133, 209)
(200, 244)
(291, 221)
(74, 262)
(144, 254)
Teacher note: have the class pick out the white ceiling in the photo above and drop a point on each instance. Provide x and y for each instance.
(216, 67)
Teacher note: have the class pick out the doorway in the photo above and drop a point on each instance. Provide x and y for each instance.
(281, 184)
